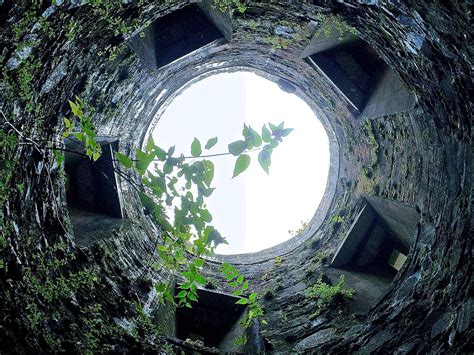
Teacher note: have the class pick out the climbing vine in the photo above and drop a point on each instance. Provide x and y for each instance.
(178, 186)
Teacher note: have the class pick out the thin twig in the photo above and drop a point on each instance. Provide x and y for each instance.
(210, 155)
(19, 133)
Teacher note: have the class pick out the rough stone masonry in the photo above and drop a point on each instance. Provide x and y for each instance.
(58, 295)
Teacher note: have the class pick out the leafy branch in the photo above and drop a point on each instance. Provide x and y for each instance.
(83, 130)
(173, 183)
(241, 286)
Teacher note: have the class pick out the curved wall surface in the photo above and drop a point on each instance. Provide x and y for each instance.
(60, 293)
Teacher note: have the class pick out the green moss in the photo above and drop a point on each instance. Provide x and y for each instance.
(229, 5)
(374, 146)
(331, 23)
(277, 42)
(8, 146)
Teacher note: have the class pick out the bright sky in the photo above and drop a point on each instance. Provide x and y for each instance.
(253, 211)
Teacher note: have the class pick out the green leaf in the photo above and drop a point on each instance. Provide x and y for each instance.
(236, 148)
(273, 127)
(240, 279)
(160, 153)
(192, 297)
(253, 296)
(59, 156)
(182, 294)
(211, 143)
(95, 156)
(216, 238)
(150, 144)
(198, 223)
(199, 262)
(162, 221)
(196, 148)
(167, 168)
(188, 275)
(208, 172)
(200, 279)
(147, 201)
(264, 158)
(124, 160)
(242, 163)
(76, 109)
(285, 132)
(246, 132)
(144, 160)
(185, 286)
(256, 139)
(79, 136)
(245, 286)
(161, 287)
(266, 135)
(242, 301)
(237, 293)
(206, 216)
(205, 192)
(67, 123)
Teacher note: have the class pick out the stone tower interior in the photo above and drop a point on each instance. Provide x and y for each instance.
(80, 263)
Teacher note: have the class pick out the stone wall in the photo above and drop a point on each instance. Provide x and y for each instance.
(421, 157)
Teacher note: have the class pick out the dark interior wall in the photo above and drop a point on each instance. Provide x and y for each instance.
(423, 158)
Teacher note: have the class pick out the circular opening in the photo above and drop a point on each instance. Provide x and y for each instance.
(253, 211)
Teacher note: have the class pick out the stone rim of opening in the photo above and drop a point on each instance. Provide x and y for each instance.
(322, 209)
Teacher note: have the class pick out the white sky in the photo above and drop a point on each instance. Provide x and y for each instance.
(254, 211)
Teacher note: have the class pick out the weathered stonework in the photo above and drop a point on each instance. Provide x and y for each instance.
(421, 158)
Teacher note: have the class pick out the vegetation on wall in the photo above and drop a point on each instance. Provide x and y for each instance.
(331, 24)
(8, 144)
(179, 184)
(176, 186)
(300, 229)
(327, 295)
(229, 5)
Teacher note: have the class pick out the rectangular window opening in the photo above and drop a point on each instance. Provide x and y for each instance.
(369, 85)
(92, 191)
(180, 33)
(375, 248)
(213, 321)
